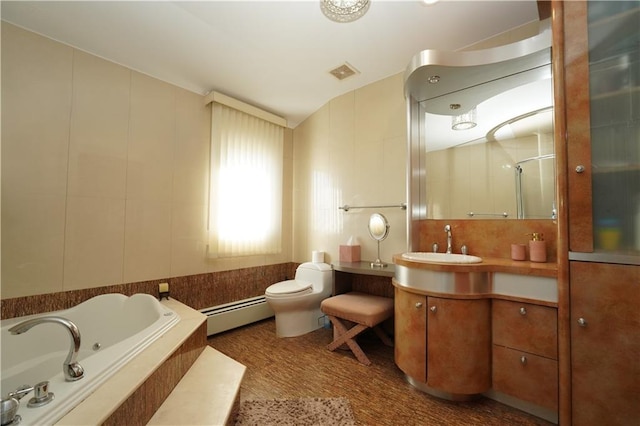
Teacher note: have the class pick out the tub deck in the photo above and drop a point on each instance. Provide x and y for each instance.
(209, 394)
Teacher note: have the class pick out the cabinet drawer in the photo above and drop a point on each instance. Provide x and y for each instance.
(525, 326)
(526, 376)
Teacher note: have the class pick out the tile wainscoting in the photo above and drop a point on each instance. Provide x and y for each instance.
(196, 291)
(142, 404)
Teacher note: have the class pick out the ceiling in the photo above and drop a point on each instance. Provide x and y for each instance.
(273, 54)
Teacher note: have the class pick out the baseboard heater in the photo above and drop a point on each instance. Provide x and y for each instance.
(236, 314)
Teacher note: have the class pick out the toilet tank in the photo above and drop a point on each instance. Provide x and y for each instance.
(319, 275)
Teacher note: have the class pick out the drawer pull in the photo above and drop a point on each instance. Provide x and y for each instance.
(523, 311)
(580, 168)
(418, 305)
(523, 360)
(433, 309)
(582, 322)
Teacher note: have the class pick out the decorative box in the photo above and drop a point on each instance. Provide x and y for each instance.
(349, 253)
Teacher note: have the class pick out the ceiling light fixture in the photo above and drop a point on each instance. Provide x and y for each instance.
(464, 121)
(344, 10)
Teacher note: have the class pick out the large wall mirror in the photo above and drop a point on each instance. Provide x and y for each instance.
(481, 133)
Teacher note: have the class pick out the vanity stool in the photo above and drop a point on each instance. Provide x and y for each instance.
(366, 310)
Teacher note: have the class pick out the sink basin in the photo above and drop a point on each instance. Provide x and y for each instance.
(429, 257)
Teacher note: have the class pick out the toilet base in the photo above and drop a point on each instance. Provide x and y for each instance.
(297, 323)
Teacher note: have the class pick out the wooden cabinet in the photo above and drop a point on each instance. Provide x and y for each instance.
(605, 344)
(525, 352)
(411, 334)
(459, 345)
(444, 343)
(601, 95)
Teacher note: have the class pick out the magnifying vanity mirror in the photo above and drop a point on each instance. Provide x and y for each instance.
(378, 229)
(481, 132)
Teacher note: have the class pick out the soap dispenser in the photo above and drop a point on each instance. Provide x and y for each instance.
(537, 248)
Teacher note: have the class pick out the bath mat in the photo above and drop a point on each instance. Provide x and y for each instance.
(296, 412)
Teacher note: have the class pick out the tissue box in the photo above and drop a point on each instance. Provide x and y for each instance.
(349, 253)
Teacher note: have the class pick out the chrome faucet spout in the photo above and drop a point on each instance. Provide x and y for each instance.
(71, 369)
(447, 229)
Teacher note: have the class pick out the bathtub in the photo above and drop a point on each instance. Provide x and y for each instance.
(113, 329)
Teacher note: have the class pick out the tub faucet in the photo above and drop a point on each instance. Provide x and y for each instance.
(20, 392)
(71, 369)
(447, 229)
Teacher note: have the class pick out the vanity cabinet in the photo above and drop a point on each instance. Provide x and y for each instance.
(605, 344)
(525, 352)
(444, 343)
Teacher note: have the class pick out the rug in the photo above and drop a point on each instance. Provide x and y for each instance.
(296, 412)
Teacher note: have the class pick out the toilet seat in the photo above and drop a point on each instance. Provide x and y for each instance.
(289, 288)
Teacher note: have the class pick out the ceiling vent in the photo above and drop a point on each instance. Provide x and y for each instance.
(343, 71)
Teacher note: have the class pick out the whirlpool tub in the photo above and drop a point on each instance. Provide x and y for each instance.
(113, 329)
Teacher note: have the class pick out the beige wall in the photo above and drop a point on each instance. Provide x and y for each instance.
(104, 173)
(351, 151)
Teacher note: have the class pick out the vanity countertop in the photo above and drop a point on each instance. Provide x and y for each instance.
(488, 264)
(365, 268)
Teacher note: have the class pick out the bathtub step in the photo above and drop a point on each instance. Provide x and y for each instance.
(209, 394)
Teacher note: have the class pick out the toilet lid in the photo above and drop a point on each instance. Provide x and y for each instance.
(289, 288)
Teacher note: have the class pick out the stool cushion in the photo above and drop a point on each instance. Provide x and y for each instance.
(358, 307)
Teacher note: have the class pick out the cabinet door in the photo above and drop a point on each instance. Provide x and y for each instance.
(411, 334)
(459, 345)
(602, 91)
(605, 343)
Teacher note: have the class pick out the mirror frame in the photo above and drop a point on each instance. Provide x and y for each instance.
(378, 227)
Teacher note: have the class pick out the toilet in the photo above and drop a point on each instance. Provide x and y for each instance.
(296, 302)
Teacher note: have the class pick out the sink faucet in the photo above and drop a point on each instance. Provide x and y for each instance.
(71, 369)
(447, 229)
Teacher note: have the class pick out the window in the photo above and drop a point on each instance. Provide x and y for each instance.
(245, 193)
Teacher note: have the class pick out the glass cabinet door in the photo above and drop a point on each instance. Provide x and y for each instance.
(614, 85)
(602, 70)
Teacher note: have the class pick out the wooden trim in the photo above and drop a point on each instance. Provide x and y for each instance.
(560, 125)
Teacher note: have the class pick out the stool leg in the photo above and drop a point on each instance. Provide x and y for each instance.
(383, 336)
(346, 336)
